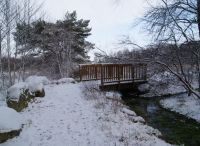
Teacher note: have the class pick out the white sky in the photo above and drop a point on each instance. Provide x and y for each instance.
(109, 20)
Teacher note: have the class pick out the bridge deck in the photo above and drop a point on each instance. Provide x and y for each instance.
(114, 74)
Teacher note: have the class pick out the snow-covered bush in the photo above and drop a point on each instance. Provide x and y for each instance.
(10, 123)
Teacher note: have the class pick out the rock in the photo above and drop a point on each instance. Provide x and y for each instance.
(9, 135)
(39, 93)
(20, 94)
(10, 124)
(21, 103)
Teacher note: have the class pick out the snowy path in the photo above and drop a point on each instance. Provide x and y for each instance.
(64, 118)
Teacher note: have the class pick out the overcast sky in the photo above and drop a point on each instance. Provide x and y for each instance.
(109, 20)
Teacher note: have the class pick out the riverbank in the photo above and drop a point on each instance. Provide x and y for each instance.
(183, 104)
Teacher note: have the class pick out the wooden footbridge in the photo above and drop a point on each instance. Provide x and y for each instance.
(114, 76)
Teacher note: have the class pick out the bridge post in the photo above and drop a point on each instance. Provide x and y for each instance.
(102, 75)
(96, 72)
(133, 72)
(118, 73)
(80, 72)
(145, 71)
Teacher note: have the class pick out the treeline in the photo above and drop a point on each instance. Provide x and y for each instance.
(31, 45)
(168, 54)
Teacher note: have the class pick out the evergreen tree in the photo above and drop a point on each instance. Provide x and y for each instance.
(64, 41)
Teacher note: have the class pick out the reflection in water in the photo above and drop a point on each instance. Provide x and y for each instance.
(152, 108)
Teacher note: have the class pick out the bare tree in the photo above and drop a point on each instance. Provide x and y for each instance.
(177, 22)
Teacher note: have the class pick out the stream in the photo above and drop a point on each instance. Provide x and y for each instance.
(175, 128)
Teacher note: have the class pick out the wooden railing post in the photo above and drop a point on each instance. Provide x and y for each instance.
(96, 72)
(102, 76)
(118, 73)
(133, 72)
(80, 72)
(145, 69)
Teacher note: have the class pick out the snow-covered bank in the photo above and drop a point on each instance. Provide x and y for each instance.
(188, 106)
(66, 117)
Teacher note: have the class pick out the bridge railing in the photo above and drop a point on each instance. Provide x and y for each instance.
(90, 72)
(113, 73)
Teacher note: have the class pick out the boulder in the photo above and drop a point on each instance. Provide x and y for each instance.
(9, 135)
(39, 93)
(20, 94)
(22, 102)
(10, 123)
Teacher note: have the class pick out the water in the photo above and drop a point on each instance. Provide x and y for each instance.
(175, 128)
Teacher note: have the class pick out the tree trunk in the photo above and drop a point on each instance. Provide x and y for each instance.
(198, 15)
(59, 66)
(1, 65)
(8, 27)
(198, 20)
(14, 67)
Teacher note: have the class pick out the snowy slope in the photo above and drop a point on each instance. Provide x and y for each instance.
(65, 118)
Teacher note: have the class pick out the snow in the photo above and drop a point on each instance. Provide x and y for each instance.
(183, 104)
(38, 79)
(162, 84)
(35, 83)
(129, 112)
(113, 95)
(32, 83)
(64, 80)
(66, 117)
(35, 86)
(10, 120)
(2, 97)
(14, 91)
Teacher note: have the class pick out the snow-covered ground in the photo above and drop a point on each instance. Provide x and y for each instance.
(188, 106)
(64, 117)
